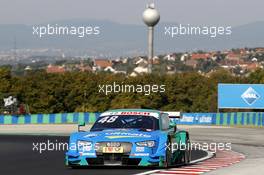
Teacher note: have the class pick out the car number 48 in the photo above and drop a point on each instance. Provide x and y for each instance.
(109, 119)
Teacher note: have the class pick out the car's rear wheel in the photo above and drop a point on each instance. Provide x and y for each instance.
(167, 161)
(187, 152)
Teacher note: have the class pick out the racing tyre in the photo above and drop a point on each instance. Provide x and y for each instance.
(167, 161)
(187, 153)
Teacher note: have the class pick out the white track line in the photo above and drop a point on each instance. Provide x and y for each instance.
(209, 155)
(148, 172)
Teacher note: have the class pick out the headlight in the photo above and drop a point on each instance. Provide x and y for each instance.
(84, 145)
(146, 144)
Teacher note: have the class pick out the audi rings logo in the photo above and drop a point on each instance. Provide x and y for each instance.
(113, 144)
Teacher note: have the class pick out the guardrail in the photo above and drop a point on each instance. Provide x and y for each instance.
(222, 119)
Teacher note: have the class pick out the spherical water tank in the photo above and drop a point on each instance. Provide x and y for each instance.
(151, 16)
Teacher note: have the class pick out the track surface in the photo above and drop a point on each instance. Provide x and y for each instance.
(18, 157)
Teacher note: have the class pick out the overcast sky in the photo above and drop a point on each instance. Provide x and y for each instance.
(222, 12)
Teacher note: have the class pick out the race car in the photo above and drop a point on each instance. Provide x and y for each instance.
(130, 137)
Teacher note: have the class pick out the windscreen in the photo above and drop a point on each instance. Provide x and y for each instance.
(126, 122)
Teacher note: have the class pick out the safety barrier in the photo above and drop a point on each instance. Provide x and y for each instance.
(62, 118)
(249, 118)
(223, 119)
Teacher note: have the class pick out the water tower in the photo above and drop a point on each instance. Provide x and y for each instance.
(151, 18)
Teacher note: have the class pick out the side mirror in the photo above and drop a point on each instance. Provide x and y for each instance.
(80, 124)
(174, 126)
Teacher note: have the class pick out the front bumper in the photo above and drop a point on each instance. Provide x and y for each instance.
(132, 155)
(112, 160)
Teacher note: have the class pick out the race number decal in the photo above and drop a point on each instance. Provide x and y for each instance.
(108, 119)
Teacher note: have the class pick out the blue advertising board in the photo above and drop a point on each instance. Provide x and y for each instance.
(242, 96)
(195, 119)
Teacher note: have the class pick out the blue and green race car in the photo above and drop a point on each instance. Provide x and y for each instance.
(128, 137)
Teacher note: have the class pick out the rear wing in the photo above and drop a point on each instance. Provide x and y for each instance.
(174, 115)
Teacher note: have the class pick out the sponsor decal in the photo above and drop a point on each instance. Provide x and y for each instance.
(140, 154)
(128, 134)
(119, 137)
(87, 154)
(187, 119)
(153, 114)
(90, 135)
(250, 96)
(140, 149)
(135, 113)
(85, 148)
(205, 119)
(194, 119)
(116, 135)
